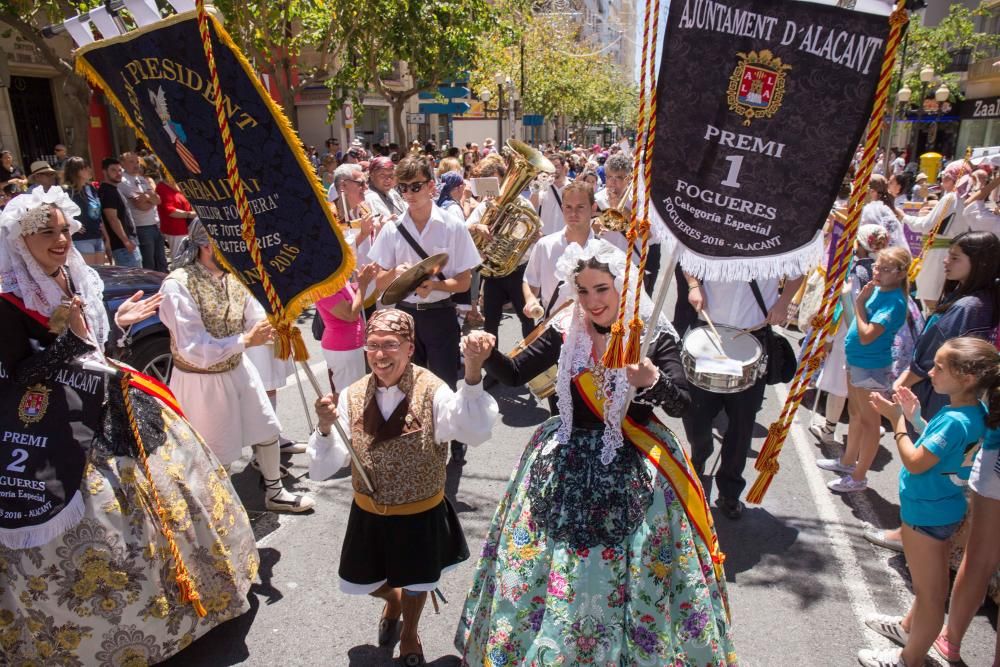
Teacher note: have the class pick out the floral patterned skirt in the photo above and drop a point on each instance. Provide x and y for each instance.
(651, 599)
(104, 592)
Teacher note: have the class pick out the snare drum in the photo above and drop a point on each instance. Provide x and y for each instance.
(743, 364)
(542, 385)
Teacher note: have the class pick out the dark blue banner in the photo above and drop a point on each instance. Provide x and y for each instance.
(159, 80)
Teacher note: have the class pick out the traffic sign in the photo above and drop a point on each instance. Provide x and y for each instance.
(450, 92)
(447, 109)
(348, 111)
(416, 118)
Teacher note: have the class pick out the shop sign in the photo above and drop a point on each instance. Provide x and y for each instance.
(988, 107)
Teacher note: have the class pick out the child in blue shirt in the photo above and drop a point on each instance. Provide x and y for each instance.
(932, 502)
(879, 312)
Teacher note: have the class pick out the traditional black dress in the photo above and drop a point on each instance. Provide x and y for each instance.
(88, 575)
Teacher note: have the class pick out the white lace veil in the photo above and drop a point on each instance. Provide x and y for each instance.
(22, 276)
(576, 351)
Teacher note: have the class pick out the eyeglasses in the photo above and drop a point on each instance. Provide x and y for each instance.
(391, 346)
(361, 182)
(416, 186)
(885, 269)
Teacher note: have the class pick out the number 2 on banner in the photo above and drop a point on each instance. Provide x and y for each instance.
(17, 465)
(735, 163)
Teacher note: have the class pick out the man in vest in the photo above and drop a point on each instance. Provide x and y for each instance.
(402, 532)
(212, 320)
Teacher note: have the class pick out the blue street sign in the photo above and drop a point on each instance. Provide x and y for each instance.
(451, 108)
(529, 120)
(449, 92)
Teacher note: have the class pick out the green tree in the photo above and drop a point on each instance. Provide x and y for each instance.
(566, 78)
(936, 47)
(295, 42)
(437, 40)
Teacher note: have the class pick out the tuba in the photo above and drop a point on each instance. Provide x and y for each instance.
(513, 223)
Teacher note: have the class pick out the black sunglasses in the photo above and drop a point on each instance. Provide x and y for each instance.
(416, 186)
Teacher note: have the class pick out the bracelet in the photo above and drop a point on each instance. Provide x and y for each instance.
(694, 285)
(899, 435)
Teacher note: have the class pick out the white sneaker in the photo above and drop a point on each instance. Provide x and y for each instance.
(892, 657)
(847, 484)
(834, 465)
(888, 626)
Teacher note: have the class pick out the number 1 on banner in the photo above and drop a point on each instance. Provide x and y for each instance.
(735, 162)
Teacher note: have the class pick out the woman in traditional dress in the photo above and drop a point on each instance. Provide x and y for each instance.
(602, 550)
(121, 537)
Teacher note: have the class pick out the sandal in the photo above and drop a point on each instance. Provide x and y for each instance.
(413, 660)
(947, 649)
(388, 630)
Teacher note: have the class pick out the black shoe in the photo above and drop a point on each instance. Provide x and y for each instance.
(731, 508)
(388, 631)
(458, 452)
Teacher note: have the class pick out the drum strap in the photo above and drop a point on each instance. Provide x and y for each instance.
(555, 193)
(552, 300)
(416, 247)
(757, 295)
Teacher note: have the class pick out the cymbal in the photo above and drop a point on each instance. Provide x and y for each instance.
(409, 280)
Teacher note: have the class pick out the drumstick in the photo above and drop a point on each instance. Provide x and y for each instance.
(718, 345)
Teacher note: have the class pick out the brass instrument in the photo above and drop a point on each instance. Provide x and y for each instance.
(613, 219)
(513, 223)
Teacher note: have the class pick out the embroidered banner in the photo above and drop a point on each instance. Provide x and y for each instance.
(761, 105)
(158, 79)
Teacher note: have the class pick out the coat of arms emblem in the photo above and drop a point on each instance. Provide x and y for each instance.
(33, 404)
(757, 85)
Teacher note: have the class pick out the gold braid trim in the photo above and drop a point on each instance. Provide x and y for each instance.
(185, 582)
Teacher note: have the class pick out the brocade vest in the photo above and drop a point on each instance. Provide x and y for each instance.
(399, 454)
(221, 304)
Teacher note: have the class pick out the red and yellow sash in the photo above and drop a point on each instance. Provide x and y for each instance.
(679, 473)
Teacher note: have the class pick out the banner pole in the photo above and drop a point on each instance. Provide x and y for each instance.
(663, 283)
(340, 431)
(823, 324)
(302, 395)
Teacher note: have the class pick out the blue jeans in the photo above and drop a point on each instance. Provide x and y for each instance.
(151, 245)
(126, 257)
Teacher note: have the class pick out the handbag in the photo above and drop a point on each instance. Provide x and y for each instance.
(318, 327)
(781, 361)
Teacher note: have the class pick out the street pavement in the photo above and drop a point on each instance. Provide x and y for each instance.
(801, 577)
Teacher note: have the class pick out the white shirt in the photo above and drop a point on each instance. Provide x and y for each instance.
(198, 347)
(466, 415)
(454, 210)
(129, 189)
(541, 270)
(378, 206)
(733, 304)
(441, 234)
(980, 218)
(550, 206)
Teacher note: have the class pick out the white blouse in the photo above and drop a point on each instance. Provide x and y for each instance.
(466, 415)
(198, 347)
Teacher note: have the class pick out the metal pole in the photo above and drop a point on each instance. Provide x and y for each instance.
(500, 111)
(892, 118)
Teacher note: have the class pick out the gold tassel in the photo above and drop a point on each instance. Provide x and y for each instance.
(634, 341)
(614, 355)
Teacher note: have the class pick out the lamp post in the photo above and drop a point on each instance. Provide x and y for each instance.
(941, 96)
(926, 76)
(499, 78)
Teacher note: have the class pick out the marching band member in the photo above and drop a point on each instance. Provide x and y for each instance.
(404, 534)
(498, 291)
(382, 198)
(604, 532)
(753, 306)
(618, 172)
(213, 320)
(548, 198)
(541, 286)
(425, 230)
(363, 223)
(91, 575)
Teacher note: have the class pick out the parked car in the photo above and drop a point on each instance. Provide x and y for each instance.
(148, 347)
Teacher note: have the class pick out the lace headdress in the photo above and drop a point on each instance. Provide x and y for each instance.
(20, 273)
(575, 356)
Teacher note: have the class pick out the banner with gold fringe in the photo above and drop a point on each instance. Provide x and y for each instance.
(161, 81)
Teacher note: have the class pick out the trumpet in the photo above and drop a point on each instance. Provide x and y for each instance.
(614, 219)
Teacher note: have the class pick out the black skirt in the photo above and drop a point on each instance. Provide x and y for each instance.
(401, 550)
